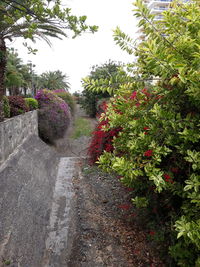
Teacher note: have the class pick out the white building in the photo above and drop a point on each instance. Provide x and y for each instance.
(157, 7)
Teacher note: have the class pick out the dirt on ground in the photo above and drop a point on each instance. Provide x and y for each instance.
(107, 234)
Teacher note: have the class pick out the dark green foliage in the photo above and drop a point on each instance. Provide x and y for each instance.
(17, 105)
(89, 99)
(31, 103)
(6, 107)
(157, 152)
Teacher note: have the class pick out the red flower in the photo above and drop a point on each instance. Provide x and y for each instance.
(168, 178)
(145, 91)
(148, 153)
(124, 206)
(109, 148)
(152, 233)
(146, 128)
(137, 104)
(133, 96)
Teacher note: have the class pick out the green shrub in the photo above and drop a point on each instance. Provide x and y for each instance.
(17, 105)
(31, 103)
(67, 97)
(53, 116)
(6, 107)
(157, 151)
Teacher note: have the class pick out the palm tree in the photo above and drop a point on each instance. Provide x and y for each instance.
(53, 80)
(34, 19)
(20, 25)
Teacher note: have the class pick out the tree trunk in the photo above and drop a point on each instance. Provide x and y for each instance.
(16, 90)
(2, 75)
(25, 91)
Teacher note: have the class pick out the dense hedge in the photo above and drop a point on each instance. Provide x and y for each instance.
(53, 116)
(157, 151)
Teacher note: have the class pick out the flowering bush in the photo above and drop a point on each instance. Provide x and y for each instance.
(157, 151)
(102, 140)
(53, 117)
(18, 105)
(67, 97)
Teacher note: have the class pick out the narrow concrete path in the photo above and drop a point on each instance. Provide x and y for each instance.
(61, 225)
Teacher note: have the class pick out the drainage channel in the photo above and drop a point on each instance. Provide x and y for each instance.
(60, 229)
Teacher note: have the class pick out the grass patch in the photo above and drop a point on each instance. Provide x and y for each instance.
(82, 127)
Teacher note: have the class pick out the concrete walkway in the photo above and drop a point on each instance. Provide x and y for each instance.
(61, 226)
(37, 202)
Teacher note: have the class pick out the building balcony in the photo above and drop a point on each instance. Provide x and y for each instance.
(154, 3)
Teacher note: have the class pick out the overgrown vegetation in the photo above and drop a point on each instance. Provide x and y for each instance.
(89, 99)
(31, 20)
(157, 149)
(82, 127)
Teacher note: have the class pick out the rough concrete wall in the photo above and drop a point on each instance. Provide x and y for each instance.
(27, 181)
(14, 131)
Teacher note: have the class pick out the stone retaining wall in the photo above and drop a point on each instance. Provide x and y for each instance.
(14, 131)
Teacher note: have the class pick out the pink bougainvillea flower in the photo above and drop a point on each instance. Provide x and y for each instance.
(133, 95)
(148, 153)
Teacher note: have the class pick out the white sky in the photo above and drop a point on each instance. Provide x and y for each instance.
(76, 57)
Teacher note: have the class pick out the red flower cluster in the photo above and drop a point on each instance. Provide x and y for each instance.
(145, 91)
(152, 233)
(134, 95)
(102, 140)
(148, 153)
(146, 128)
(168, 178)
(124, 206)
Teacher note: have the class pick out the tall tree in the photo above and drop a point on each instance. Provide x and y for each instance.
(31, 20)
(90, 98)
(53, 80)
(14, 77)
